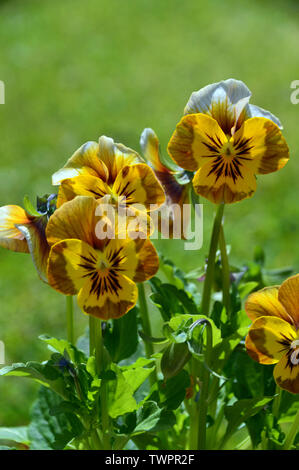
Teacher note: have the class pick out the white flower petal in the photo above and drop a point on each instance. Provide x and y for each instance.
(224, 101)
(256, 111)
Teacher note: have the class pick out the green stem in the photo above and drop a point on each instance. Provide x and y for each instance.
(292, 433)
(225, 271)
(70, 319)
(276, 402)
(97, 348)
(193, 436)
(203, 398)
(146, 325)
(209, 278)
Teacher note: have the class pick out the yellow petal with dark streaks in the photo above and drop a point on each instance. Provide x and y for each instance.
(136, 259)
(85, 185)
(71, 262)
(286, 375)
(74, 219)
(116, 156)
(257, 355)
(265, 147)
(196, 140)
(271, 337)
(222, 188)
(139, 185)
(102, 301)
(265, 302)
(288, 295)
(85, 161)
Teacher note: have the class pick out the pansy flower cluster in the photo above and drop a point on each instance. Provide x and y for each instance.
(218, 147)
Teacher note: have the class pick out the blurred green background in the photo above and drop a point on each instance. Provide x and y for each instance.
(74, 70)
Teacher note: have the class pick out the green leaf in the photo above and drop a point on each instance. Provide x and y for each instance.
(30, 208)
(128, 379)
(121, 396)
(47, 431)
(246, 288)
(44, 374)
(223, 350)
(15, 434)
(135, 374)
(170, 300)
(242, 410)
(62, 345)
(173, 391)
(249, 379)
(152, 418)
(121, 340)
(147, 417)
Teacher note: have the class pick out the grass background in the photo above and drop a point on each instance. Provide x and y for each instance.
(74, 70)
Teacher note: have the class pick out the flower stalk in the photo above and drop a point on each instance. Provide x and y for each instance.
(70, 319)
(146, 325)
(97, 348)
(225, 271)
(209, 278)
(203, 398)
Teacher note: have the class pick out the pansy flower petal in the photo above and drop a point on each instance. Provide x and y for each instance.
(256, 354)
(137, 259)
(176, 193)
(225, 101)
(150, 146)
(70, 264)
(116, 156)
(86, 160)
(256, 111)
(272, 337)
(106, 298)
(222, 182)
(261, 146)
(196, 140)
(139, 185)
(288, 295)
(74, 219)
(35, 235)
(85, 185)
(286, 374)
(11, 237)
(265, 303)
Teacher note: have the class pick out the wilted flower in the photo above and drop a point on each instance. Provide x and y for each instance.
(24, 231)
(103, 272)
(227, 141)
(175, 182)
(273, 337)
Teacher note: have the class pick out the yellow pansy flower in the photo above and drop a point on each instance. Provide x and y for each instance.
(103, 272)
(176, 192)
(273, 337)
(25, 233)
(227, 141)
(107, 168)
